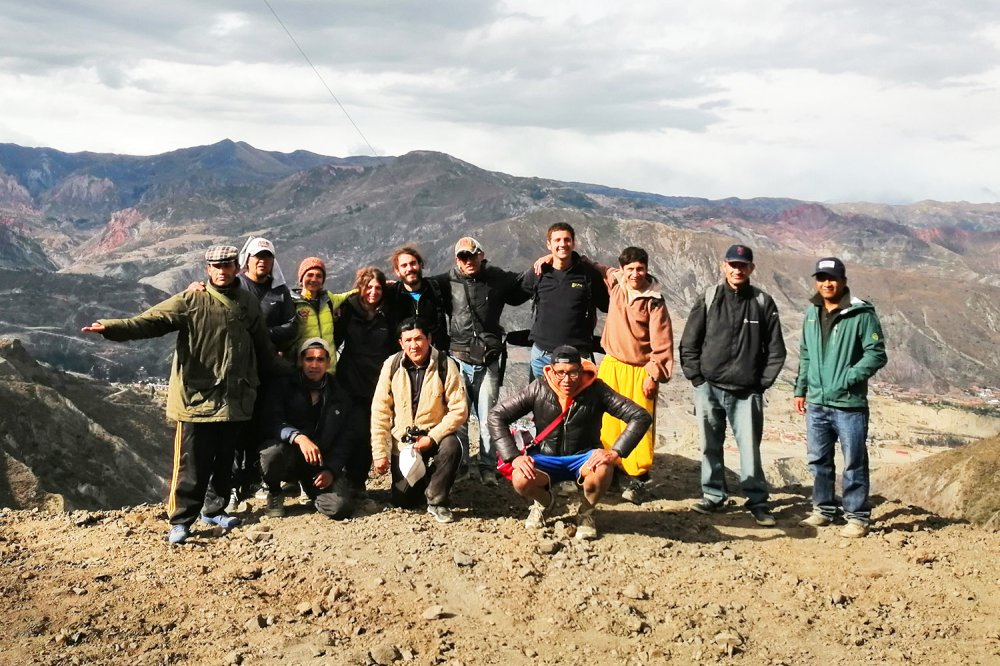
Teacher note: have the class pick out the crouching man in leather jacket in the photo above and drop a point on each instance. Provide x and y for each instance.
(568, 403)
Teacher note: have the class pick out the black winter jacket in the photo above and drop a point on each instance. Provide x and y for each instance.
(484, 294)
(366, 345)
(737, 345)
(580, 430)
(566, 304)
(432, 308)
(277, 307)
(289, 411)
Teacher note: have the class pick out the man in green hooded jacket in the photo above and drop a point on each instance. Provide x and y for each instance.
(842, 347)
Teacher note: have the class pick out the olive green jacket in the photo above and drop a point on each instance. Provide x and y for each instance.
(220, 342)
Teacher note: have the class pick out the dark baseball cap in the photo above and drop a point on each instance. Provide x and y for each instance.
(739, 253)
(566, 354)
(831, 266)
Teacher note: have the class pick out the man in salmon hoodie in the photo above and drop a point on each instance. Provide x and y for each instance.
(568, 403)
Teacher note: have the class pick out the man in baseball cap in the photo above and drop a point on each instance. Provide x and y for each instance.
(731, 351)
(479, 293)
(567, 446)
(842, 346)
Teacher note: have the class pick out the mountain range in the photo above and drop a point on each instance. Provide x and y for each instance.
(86, 235)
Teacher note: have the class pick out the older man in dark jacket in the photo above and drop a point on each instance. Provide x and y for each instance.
(307, 421)
(568, 403)
(732, 351)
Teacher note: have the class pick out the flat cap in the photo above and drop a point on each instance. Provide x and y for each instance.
(221, 254)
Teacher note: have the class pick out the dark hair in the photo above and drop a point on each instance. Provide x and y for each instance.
(561, 226)
(632, 254)
(412, 324)
(406, 249)
(365, 275)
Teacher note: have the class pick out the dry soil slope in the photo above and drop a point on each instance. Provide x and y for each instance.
(963, 483)
(661, 585)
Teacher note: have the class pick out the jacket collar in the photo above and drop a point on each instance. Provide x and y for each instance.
(588, 377)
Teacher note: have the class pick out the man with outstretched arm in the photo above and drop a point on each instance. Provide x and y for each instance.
(568, 403)
(221, 340)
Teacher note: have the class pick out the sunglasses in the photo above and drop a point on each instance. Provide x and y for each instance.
(467, 256)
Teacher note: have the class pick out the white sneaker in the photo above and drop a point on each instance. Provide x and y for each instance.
(586, 527)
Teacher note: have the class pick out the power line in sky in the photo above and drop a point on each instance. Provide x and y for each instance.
(321, 79)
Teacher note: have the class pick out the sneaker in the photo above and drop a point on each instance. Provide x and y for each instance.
(236, 503)
(536, 514)
(854, 529)
(815, 520)
(763, 516)
(636, 491)
(275, 505)
(586, 527)
(707, 506)
(261, 493)
(178, 534)
(442, 514)
(488, 477)
(223, 520)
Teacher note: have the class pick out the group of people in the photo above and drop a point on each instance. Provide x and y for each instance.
(272, 384)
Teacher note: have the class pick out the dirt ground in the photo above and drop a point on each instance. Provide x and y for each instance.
(662, 584)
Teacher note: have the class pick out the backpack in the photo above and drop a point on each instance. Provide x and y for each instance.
(710, 296)
(442, 365)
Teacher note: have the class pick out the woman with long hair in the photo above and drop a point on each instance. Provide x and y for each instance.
(368, 334)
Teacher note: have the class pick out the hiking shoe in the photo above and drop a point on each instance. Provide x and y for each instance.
(442, 514)
(275, 505)
(586, 526)
(178, 534)
(223, 520)
(536, 514)
(854, 529)
(815, 520)
(636, 491)
(707, 506)
(763, 516)
(488, 477)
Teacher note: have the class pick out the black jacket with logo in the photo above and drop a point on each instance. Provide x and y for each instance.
(566, 304)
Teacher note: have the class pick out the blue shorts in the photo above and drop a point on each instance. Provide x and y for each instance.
(562, 468)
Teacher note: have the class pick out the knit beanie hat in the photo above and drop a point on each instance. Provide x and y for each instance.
(310, 263)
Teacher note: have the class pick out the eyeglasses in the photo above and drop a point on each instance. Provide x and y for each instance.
(562, 374)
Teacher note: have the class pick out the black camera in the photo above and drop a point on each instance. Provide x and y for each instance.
(412, 434)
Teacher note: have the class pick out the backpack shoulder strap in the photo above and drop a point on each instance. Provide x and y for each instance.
(710, 296)
(397, 359)
(442, 367)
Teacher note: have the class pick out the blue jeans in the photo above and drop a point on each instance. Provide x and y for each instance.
(482, 387)
(539, 359)
(824, 426)
(712, 407)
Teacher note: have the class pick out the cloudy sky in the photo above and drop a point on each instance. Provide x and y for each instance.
(888, 100)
